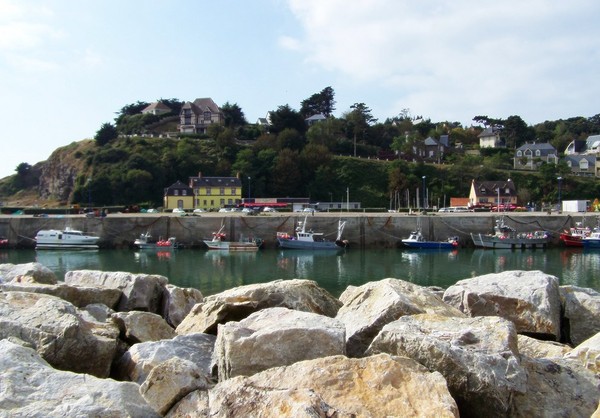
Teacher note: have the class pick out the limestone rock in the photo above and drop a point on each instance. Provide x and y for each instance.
(556, 388)
(141, 292)
(56, 330)
(533, 348)
(377, 386)
(26, 273)
(178, 302)
(237, 303)
(194, 404)
(582, 311)
(586, 354)
(79, 296)
(478, 357)
(369, 307)
(275, 337)
(141, 358)
(29, 387)
(170, 381)
(530, 299)
(137, 327)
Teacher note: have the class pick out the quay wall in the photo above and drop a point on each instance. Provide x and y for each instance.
(362, 230)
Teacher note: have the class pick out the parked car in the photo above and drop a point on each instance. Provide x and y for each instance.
(269, 209)
(198, 210)
(178, 210)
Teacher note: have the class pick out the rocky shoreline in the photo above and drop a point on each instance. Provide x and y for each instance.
(117, 344)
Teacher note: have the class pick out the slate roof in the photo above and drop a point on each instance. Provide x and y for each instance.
(215, 182)
(169, 191)
(489, 188)
(156, 106)
(544, 148)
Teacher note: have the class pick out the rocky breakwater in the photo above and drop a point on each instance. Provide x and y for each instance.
(120, 344)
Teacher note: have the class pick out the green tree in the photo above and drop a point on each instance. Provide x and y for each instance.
(233, 115)
(516, 132)
(105, 134)
(359, 119)
(322, 102)
(287, 118)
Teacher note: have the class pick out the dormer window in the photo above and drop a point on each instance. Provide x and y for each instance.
(519, 153)
(538, 153)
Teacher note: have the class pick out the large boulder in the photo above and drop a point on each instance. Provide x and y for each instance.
(79, 296)
(556, 388)
(57, 331)
(178, 302)
(535, 348)
(377, 386)
(140, 359)
(141, 292)
(366, 309)
(138, 327)
(478, 357)
(581, 312)
(530, 299)
(237, 303)
(26, 273)
(275, 337)
(586, 354)
(30, 387)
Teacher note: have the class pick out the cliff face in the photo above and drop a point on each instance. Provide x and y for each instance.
(59, 172)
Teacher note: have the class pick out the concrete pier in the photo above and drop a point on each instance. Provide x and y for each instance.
(363, 230)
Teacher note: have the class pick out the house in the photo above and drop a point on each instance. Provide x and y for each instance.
(491, 193)
(490, 138)
(575, 147)
(156, 108)
(178, 195)
(195, 117)
(435, 149)
(582, 165)
(216, 192)
(530, 156)
(315, 119)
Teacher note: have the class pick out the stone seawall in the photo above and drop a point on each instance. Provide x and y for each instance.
(363, 230)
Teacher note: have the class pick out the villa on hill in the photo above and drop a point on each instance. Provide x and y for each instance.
(195, 117)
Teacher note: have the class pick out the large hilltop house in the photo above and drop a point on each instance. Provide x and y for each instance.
(195, 117)
(490, 138)
(530, 156)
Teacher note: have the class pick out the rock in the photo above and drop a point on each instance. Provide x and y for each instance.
(178, 302)
(26, 273)
(586, 354)
(237, 303)
(138, 327)
(582, 311)
(79, 296)
(195, 404)
(275, 337)
(56, 330)
(533, 348)
(478, 357)
(29, 387)
(337, 386)
(141, 292)
(530, 299)
(98, 312)
(141, 358)
(170, 381)
(366, 309)
(556, 389)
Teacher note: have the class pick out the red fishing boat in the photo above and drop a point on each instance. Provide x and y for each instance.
(573, 237)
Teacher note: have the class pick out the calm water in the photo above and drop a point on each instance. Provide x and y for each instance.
(213, 271)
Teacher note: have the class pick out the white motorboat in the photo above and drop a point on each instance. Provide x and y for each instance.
(52, 239)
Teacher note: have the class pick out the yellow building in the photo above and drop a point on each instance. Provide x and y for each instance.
(492, 194)
(178, 195)
(216, 192)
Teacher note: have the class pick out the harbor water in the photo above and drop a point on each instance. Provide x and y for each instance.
(215, 271)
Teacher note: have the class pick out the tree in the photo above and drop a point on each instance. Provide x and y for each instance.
(286, 117)
(233, 115)
(322, 102)
(105, 134)
(23, 169)
(516, 132)
(359, 119)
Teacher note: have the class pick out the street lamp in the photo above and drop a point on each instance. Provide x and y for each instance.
(249, 187)
(424, 194)
(559, 200)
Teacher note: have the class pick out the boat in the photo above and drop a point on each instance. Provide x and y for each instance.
(145, 242)
(573, 237)
(68, 238)
(310, 240)
(219, 242)
(3, 242)
(506, 237)
(592, 240)
(417, 240)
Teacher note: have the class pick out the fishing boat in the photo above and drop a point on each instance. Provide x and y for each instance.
(573, 237)
(304, 239)
(506, 237)
(592, 240)
(417, 240)
(52, 239)
(219, 242)
(145, 242)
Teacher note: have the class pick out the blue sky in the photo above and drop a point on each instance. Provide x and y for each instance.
(66, 66)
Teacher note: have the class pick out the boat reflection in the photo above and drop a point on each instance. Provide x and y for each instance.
(63, 261)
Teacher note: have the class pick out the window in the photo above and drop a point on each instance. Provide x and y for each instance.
(222, 191)
(207, 116)
(175, 192)
(208, 191)
(584, 165)
(184, 192)
(519, 153)
(233, 191)
(222, 202)
(230, 201)
(538, 153)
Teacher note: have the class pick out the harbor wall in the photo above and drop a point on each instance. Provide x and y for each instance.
(362, 230)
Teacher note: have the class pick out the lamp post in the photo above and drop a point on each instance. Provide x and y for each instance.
(559, 200)
(89, 184)
(424, 194)
(249, 188)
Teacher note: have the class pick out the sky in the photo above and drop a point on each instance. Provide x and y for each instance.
(67, 67)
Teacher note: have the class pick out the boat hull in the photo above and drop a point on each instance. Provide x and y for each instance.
(65, 240)
(591, 243)
(231, 246)
(571, 240)
(490, 241)
(429, 245)
(295, 244)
